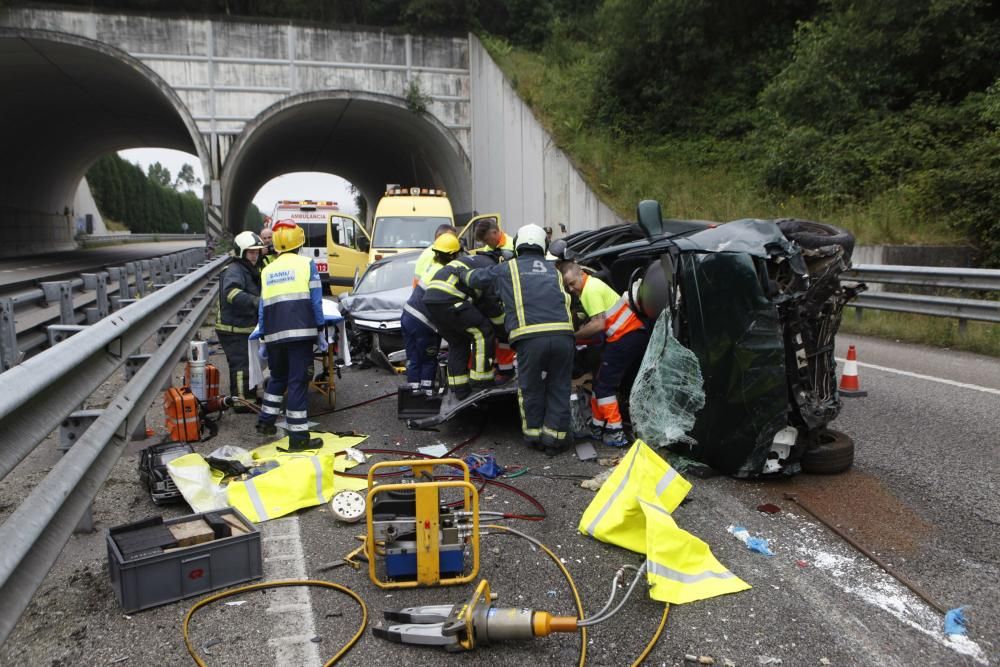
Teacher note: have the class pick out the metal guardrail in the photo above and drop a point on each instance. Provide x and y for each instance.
(105, 239)
(983, 310)
(53, 311)
(50, 386)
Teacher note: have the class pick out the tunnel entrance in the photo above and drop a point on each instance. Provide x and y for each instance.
(371, 140)
(67, 101)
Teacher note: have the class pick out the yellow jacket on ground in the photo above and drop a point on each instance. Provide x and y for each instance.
(633, 509)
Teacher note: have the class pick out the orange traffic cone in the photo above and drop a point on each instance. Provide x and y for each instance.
(849, 385)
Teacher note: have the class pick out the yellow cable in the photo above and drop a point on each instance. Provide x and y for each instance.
(275, 584)
(656, 638)
(569, 579)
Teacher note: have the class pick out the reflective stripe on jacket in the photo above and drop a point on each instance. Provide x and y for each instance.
(239, 298)
(415, 306)
(298, 481)
(596, 295)
(534, 300)
(633, 509)
(291, 303)
(447, 283)
(620, 319)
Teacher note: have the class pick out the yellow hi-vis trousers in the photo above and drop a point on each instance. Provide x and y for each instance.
(632, 510)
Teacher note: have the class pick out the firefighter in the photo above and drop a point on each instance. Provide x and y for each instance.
(450, 303)
(501, 247)
(625, 339)
(537, 319)
(291, 314)
(236, 316)
(420, 334)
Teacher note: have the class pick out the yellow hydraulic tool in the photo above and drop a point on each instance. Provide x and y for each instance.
(417, 540)
(477, 621)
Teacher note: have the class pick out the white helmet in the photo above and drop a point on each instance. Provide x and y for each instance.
(530, 235)
(247, 241)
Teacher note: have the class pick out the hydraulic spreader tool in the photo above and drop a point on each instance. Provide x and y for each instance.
(476, 622)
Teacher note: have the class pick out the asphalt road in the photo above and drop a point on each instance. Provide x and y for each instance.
(17, 271)
(922, 494)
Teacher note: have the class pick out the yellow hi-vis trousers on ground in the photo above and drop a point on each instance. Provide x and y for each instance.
(632, 510)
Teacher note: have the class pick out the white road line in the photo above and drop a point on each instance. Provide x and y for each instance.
(294, 627)
(963, 385)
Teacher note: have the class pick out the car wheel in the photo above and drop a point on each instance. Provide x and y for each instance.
(831, 453)
(809, 234)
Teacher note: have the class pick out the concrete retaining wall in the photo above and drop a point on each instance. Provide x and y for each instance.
(516, 167)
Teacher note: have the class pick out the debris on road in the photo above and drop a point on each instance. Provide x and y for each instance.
(768, 508)
(768, 660)
(755, 544)
(700, 659)
(595, 483)
(954, 622)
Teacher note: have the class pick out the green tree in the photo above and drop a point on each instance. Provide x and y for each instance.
(186, 177)
(159, 174)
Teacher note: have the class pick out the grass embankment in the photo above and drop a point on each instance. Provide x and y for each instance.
(703, 179)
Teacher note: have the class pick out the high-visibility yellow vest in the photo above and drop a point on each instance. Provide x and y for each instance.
(286, 300)
(300, 480)
(633, 509)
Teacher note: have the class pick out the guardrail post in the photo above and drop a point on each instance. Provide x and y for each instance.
(9, 355)
(61, 292)
(144, 268)
(963, 326)
(99, 283)
(60, 332)
(69, 431)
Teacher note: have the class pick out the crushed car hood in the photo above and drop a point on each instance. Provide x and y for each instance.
(384, 305)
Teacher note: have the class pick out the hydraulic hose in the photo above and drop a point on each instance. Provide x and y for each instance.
(277, 584)
(565, 572)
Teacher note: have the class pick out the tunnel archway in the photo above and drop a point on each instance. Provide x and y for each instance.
(68, 101)
(365, 138)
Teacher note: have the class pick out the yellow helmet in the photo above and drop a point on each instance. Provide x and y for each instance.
(287, 236)
(446, 243)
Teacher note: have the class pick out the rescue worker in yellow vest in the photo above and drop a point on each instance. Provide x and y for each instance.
(625, 340)
(426, 259)
(496, 242)
(420, 334)
(537, 318)
(452, 308)
(236, 316)
(291, 314)
(267, 255)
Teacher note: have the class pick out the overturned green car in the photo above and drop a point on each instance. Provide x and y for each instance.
(755, 306)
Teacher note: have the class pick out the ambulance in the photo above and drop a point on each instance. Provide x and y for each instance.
(337, 242)
(406, 218)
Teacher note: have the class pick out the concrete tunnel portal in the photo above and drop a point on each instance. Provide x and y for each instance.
(368, 139)
(68, 101)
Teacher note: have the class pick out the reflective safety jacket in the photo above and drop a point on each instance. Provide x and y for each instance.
(633, 509)
(619, 319)
(447, 285)
(239, 298)
(425, 268)
(291, 303)
(299, 480)
(535, 303)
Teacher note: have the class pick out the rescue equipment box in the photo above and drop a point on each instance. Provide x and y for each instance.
(149, 577)
(182, 419)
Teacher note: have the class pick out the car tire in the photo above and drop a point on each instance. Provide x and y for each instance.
(812, 235)
(833, 452)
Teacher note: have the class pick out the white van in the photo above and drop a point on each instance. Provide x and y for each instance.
(314, 219)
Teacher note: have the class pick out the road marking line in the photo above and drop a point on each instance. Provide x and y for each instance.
(294, 646)
(963, 385)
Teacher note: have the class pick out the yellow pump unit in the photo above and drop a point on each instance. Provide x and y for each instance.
(413, 537)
